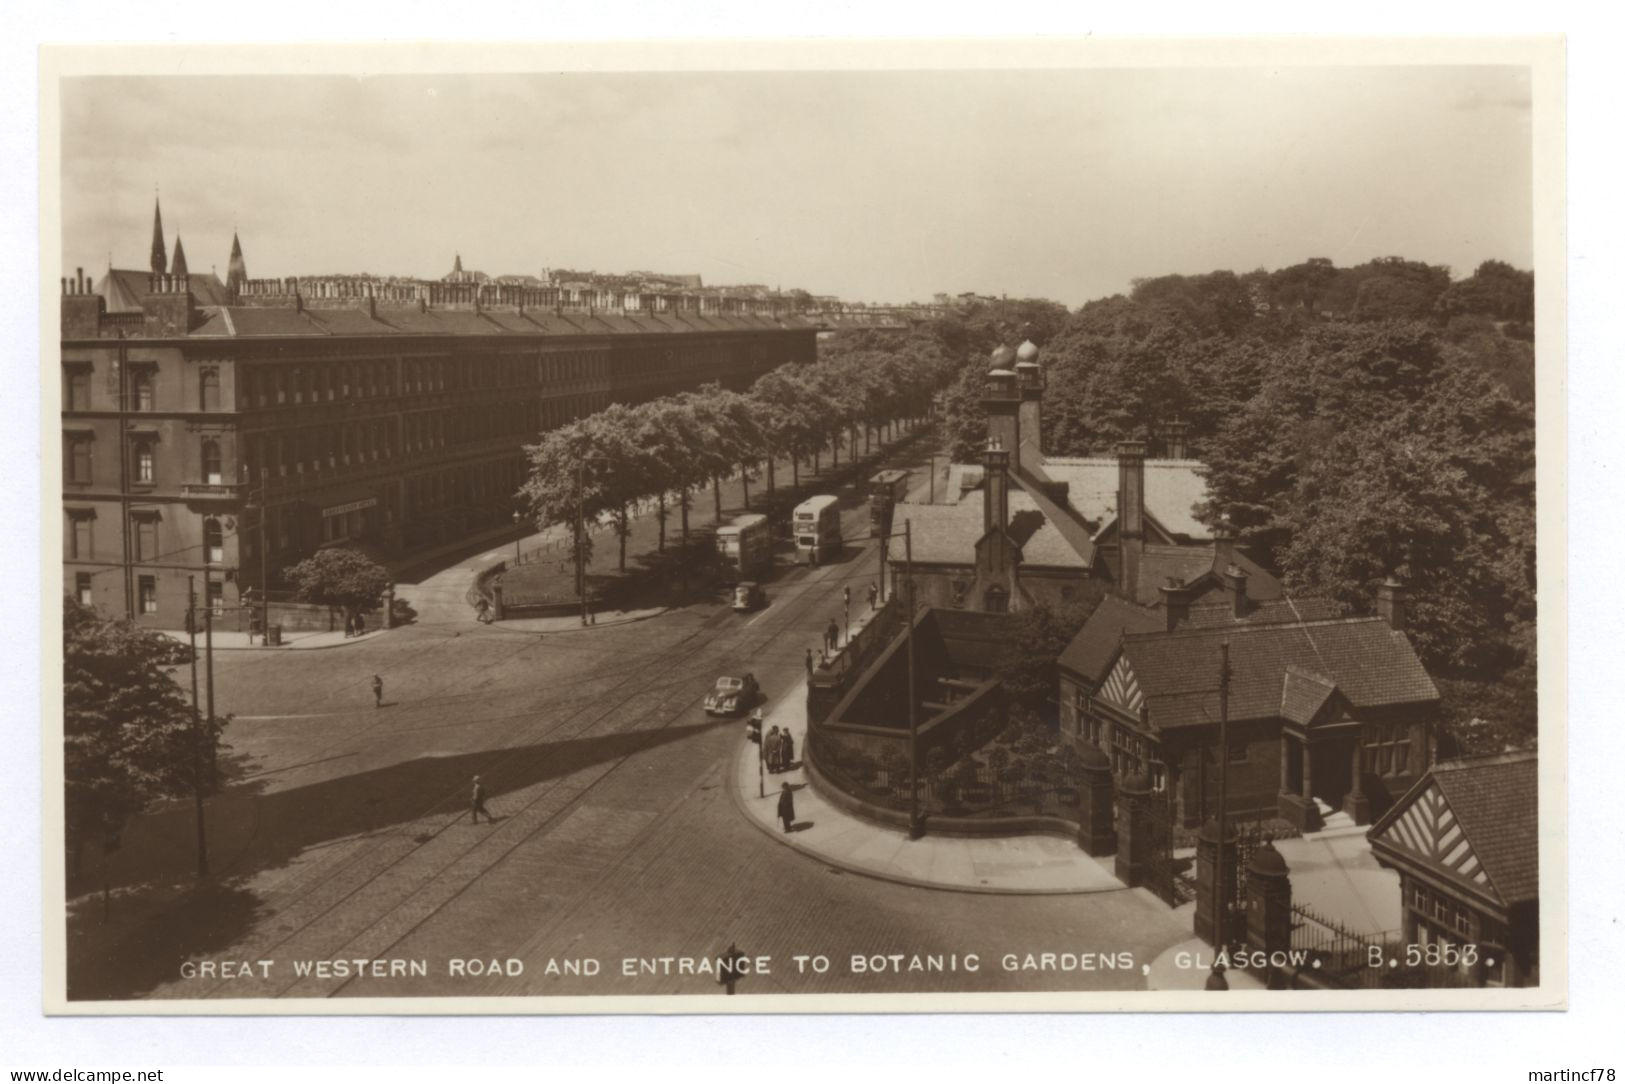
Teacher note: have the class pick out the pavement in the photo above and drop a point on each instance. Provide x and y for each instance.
(292, 640)
(1016, 865)
(1334, 874)
(1187, 965)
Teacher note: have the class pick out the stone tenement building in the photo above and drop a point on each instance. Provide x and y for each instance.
(385, 414)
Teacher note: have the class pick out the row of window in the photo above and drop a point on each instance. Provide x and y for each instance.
(146, 594)
(332, 447)
(81, 537)
(1443, 911)
(140, 389)
(326, 382)
(474, 484)
(79, 460)
(1386, 748)
(322, 381)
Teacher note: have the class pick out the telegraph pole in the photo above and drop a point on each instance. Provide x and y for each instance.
(581, 530)
(265, 584)
(208, 642)
(197, 766)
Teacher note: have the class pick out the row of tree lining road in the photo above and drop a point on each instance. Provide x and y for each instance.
(1354, 422)
(609, 463)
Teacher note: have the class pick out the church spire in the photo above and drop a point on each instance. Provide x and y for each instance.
(237, 270)
(457, 265)
(158, 254)
(177, 266)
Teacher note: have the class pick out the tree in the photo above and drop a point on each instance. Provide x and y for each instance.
(1033, 641)
(129, 736)
(339, 578)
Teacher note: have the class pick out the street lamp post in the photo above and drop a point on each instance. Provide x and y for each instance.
(581, 532)
(197, 738)
(265, 585)
(916, 827)
(518, 518)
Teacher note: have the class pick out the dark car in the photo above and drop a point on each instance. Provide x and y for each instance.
(732, 695)
(749, 596)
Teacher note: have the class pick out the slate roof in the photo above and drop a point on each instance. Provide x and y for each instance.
(1304, 693)
(1371, 664)
(123, 289)
(1173, 489)
(1092, 650)
(947, 533)
(247, 321)
(1494, 800)
(1216, 614)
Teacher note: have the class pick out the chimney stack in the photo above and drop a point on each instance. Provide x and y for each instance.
(1130, 512)
(1131, 488)
(996, 487)
(1177, 432)
(1235, 581)
(1176, 603)
(1224, 543)
(1391, 603)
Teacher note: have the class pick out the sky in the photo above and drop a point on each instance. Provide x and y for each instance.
(883, 186)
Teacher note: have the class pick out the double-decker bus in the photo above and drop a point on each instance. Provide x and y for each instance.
(746, 544)
(817, 525)
(886, 490)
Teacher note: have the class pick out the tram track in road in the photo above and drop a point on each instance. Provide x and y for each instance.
(387, 854)
(375, 952)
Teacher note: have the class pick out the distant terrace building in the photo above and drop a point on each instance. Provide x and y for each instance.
(387, 414)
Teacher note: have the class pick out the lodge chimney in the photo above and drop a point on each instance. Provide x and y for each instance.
(995, 487)
(1130, 512)
(1002, 400)
(1176, 433)
(1030, 381)
(1235, 583)
(1224, 543)
(1176, 602)
(1391, 603)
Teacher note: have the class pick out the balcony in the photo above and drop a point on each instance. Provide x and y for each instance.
(229, 491)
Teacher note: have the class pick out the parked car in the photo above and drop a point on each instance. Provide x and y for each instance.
(749, 596)
(732, 695)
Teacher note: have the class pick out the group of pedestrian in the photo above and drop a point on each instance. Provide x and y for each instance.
(355, 626)
(779, 750)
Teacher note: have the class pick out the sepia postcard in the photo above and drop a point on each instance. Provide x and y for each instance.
(804, 527)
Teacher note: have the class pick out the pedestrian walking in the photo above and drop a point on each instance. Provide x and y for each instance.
(772, 748)
(377, 691)
(360, 625)
(477, 800)
(809, 662)
(787, 749)
(787, 807)
(874, 593)
(832, 635)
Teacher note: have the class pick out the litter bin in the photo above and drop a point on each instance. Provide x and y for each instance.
(273, 636)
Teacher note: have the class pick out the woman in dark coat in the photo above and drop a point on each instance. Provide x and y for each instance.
(787, 807)
(787, 750)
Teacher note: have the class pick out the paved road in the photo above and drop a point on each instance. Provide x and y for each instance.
(347, 836)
